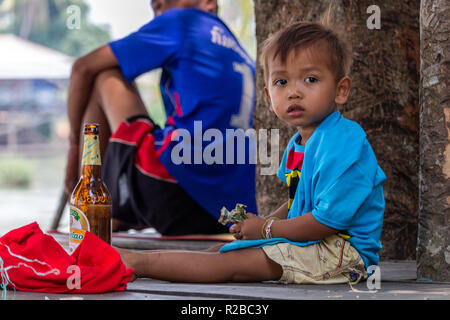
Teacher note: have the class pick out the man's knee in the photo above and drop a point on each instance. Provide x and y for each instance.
(118, 98)
(108, 80)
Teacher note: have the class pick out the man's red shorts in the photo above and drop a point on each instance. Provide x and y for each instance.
(143, 191)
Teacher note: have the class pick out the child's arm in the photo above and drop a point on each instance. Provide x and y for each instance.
(281, 212)
(253, 224)
(302, 228)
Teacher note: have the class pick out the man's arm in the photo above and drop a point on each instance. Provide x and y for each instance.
(84, 71)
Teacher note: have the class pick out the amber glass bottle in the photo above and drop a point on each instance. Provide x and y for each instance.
(90, 203)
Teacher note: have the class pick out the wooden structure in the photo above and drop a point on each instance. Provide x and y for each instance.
(433, 249)
(398, 281)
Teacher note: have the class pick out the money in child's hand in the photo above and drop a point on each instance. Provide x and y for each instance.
(234, 216)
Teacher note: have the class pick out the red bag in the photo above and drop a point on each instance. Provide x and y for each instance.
(33, 261)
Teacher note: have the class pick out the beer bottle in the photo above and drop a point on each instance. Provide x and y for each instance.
(90, 203)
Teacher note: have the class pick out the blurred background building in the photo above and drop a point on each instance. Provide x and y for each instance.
(33, 80)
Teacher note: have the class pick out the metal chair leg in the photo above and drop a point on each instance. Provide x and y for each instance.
(59, 211)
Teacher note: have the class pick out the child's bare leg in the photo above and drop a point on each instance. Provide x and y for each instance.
(244, 265)
(215, 248)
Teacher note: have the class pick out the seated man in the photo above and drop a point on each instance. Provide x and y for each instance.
(174, 179)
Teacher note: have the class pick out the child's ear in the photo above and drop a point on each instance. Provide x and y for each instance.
(268, 98)
(343, 90)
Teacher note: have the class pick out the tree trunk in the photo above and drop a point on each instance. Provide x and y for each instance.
(433, 249)
(384, 100)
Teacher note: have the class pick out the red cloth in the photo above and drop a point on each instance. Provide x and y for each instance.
(34, 261)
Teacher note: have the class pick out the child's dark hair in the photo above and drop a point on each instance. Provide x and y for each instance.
(305, 35)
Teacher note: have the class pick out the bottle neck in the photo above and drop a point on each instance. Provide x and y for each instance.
(91, 160)
(89, 172)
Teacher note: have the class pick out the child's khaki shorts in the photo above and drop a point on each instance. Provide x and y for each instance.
(332, 260)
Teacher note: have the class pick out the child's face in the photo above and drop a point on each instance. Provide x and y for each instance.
(303, 90)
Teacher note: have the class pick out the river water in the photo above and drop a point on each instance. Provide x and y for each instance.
(39, 202)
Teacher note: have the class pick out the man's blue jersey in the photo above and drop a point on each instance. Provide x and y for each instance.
(207, 87)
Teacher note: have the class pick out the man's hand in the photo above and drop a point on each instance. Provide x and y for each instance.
(249, 229)
(72, 168)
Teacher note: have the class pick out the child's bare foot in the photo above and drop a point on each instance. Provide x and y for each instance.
(127, 259)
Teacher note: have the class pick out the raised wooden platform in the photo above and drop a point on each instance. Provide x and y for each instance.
(398, 281)
(151, 241)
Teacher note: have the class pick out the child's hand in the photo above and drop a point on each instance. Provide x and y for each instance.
(249, 229)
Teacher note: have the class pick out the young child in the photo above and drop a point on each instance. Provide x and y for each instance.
(329, 229)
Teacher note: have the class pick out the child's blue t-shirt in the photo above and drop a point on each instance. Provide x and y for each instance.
(207, 86)
(338, 179)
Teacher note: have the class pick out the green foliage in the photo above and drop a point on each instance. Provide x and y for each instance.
(240, 17)
(44, 22)
(15, 172)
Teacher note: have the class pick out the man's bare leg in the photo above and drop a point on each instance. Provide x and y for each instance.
(244, 265)
(112, 100)
(94, 114)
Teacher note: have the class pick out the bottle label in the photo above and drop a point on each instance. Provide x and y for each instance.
(79, 224)
(91, 151)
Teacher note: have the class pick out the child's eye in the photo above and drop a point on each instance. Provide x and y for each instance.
(280, 82)
(310, 80)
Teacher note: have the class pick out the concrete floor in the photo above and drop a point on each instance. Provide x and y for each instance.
(398, 282)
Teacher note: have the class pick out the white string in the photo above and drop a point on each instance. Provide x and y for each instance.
(28, 260)
(55, 271)
(6, 281)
